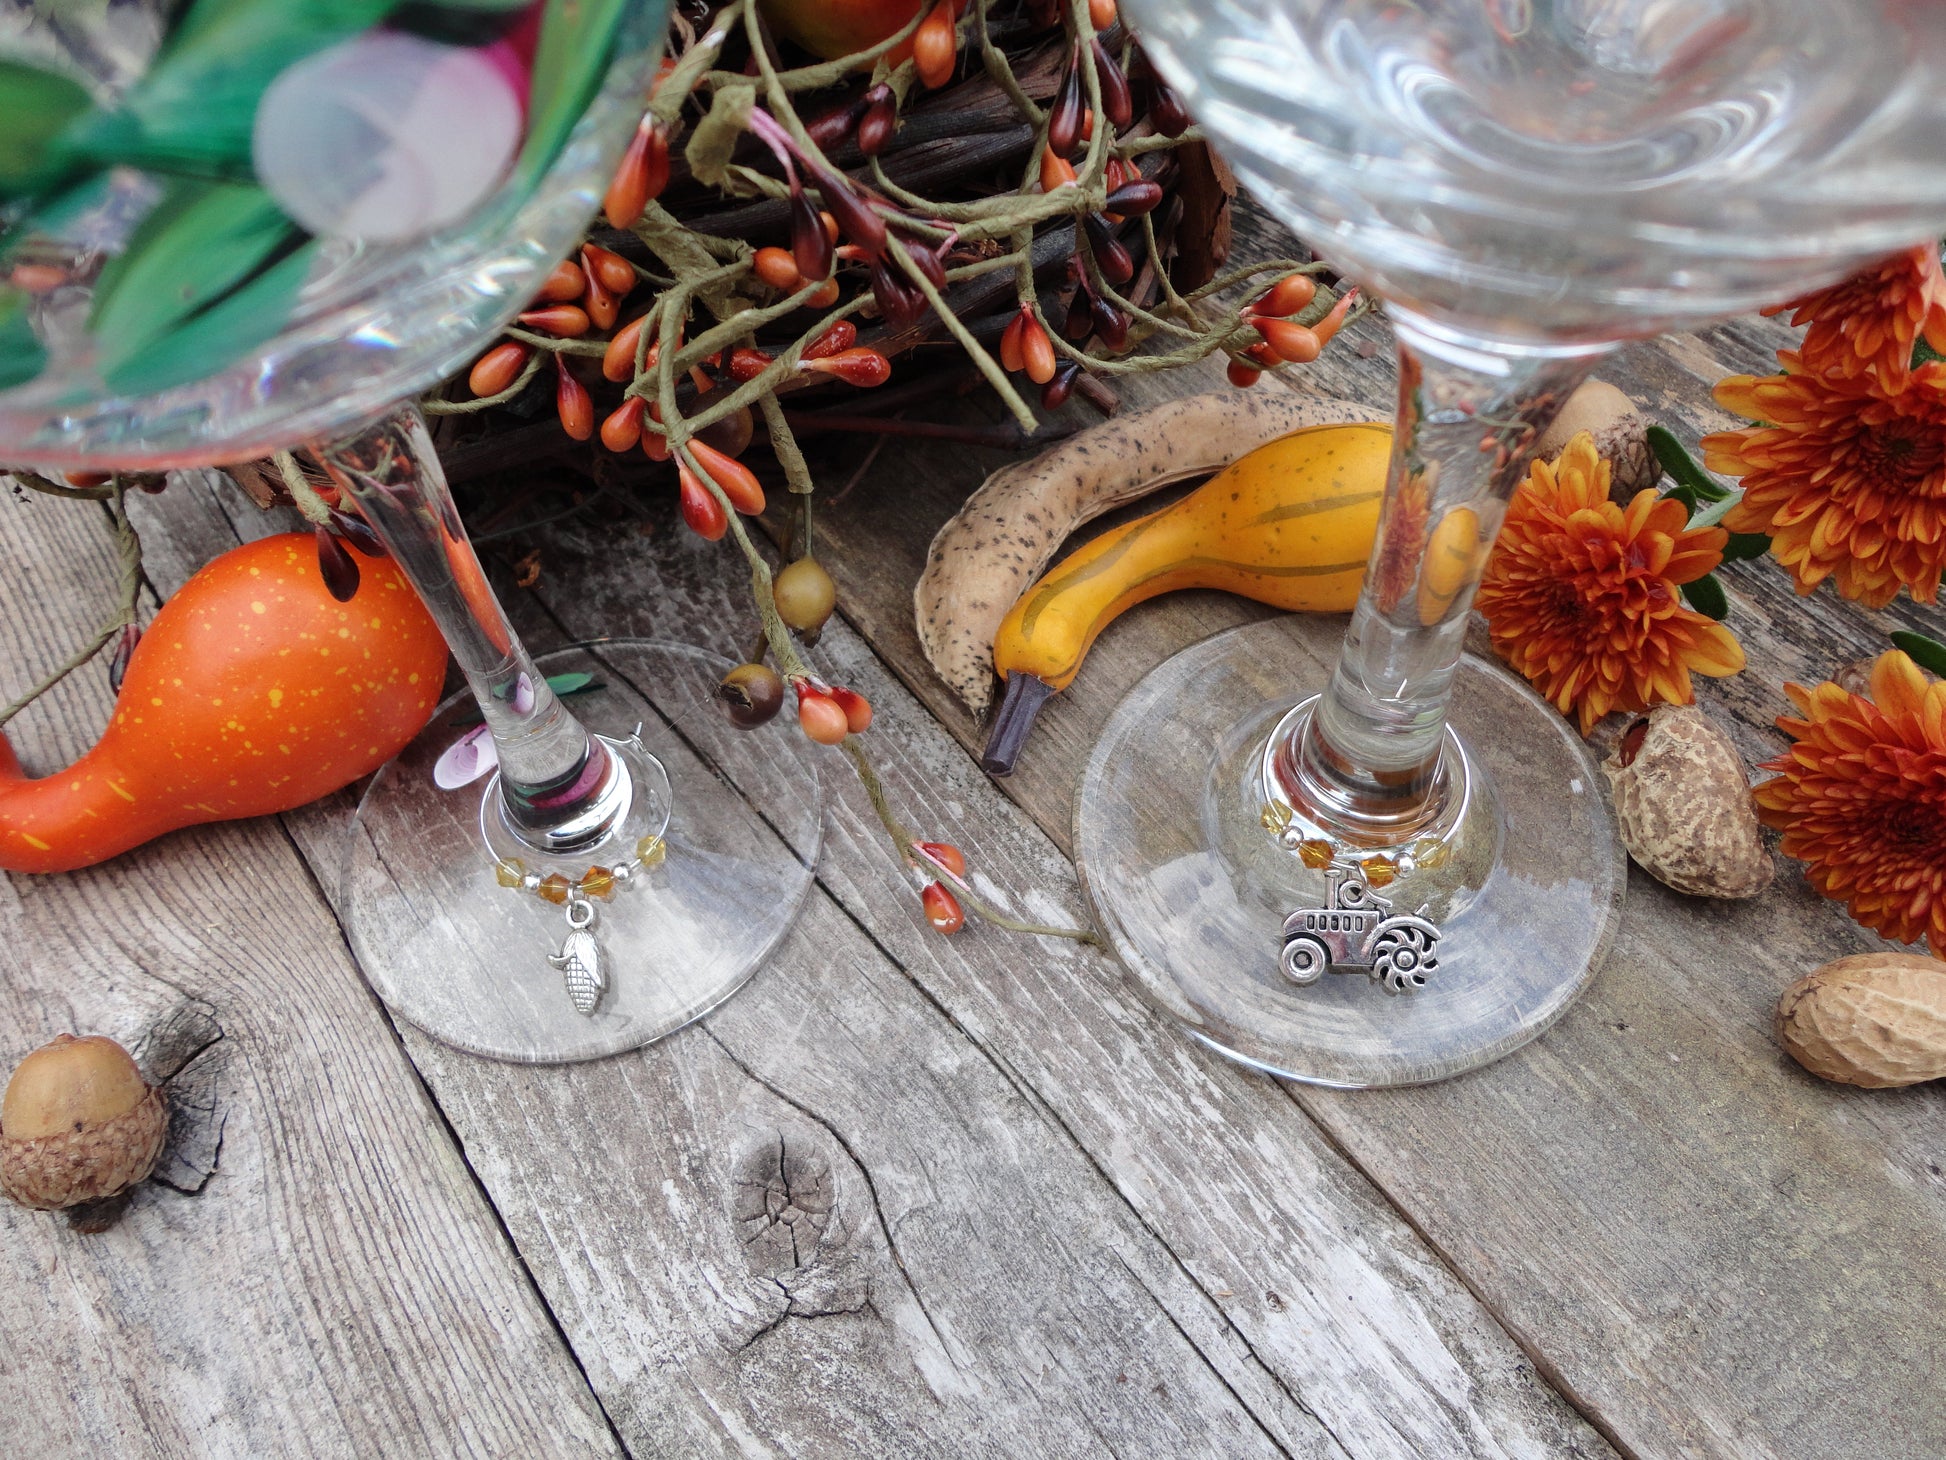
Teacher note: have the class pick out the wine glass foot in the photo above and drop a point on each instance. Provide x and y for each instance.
(448, 947)
(1192, 873)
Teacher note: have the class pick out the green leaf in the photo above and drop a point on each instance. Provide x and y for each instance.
(36, 106)
(1923, 353)
(1744, 545)
(193, 109)
(1706, 596)
(207, 342)
(576, 45)
(21, 352)
(1928, 654)
(1677, 461)
(201, 243)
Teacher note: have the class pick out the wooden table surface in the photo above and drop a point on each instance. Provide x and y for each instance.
(912, 1196)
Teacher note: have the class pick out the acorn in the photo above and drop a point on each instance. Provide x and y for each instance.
(78, 1124)
(1621, 437)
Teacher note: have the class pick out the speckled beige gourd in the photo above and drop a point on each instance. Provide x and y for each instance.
(1876, 1020)
(1683, 805)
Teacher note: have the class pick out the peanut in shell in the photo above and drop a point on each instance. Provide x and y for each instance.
(1684, 808)
(1875, 1020)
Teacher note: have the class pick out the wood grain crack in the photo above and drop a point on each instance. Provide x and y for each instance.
(864, 1172)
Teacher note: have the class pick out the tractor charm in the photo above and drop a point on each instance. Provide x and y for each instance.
(1352, 933)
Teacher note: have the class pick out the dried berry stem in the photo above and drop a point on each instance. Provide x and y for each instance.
(128, 548)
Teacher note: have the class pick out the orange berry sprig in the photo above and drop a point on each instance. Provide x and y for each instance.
(935, 46)
(935, 864)
(942, 909)
(641, 175)
(1026, 349)
(1282, 339)
(829, 712)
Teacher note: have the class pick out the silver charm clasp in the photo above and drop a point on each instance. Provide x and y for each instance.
(579, 960)
(1354, 932)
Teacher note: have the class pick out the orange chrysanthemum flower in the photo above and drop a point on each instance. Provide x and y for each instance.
(1403, 542)
(1581, 595)
(1850, 483)
(1862, 798)
(1866, 325)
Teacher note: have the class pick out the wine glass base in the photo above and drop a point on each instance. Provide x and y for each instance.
(451, 950)
(1192, 888)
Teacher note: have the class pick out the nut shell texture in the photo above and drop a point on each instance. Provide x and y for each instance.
(1684, 808)
(1875, 1020)
(69, 1167)
(1621, 437)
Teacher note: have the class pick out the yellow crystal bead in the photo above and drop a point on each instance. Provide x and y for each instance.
(1378, 872)
(651, 850)
(1314, 852)
(1430, 852)
(508, 871)
(1276, 816)
(554, 887)
(598, 882)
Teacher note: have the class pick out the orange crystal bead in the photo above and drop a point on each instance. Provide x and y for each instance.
(598, 882)
(554, 887)
(1378, 872)
(1314, 852)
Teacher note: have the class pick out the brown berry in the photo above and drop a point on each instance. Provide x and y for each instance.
(805, 595)
(751, 695)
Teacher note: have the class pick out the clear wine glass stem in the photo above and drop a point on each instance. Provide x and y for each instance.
(560, 788)
(1366, 762)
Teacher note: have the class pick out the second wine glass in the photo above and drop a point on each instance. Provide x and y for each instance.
(1527, 185)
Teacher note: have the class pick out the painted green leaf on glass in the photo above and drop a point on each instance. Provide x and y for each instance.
(35, 106)
(204, 343)
(201, 242)
(576, 45)
(194, 107)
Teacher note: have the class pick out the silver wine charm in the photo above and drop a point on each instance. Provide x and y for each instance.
(1352, 933)
(580, 957)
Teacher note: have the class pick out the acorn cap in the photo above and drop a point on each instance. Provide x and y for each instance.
(69, 1167)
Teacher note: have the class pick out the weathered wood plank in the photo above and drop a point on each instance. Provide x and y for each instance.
(1049, 1232)
(1715, 1254)
(1315, 1283)
(325, 1277)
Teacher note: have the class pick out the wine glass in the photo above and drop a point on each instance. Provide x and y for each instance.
(575, 904)
(1527, 183)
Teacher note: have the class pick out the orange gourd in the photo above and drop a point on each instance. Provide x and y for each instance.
(253, 691)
